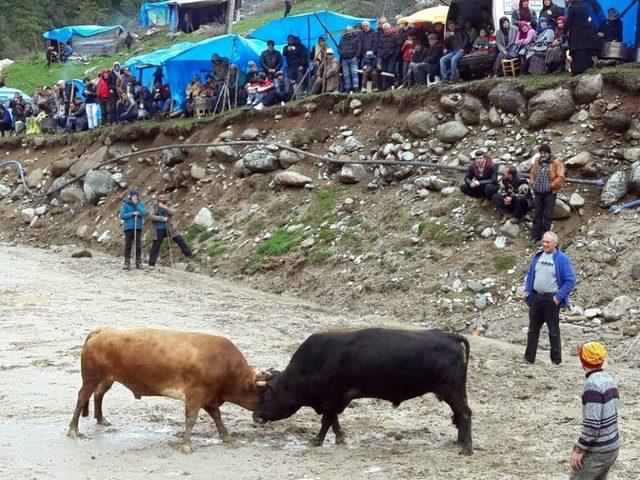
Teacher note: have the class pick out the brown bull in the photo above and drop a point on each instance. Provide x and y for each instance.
(202, 370)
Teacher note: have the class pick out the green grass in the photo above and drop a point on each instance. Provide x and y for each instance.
(504, 262)
(206, 235)
(192, 232)
(322, 205)
(280, 242)
(255, 226)
(319, 256)
(215, 250)
(439, 233)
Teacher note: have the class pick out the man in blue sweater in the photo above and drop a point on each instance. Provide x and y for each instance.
(132, 213)
(549, 282)
(596, 450)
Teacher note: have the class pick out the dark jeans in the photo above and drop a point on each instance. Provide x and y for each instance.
(106, 112)
(274, 97)
(155, 247)
(295, 74)
(543, 205)
(542, 309)
(518, 206)
(421, 70)
(128, 240)
(485, 190)
(388, 66)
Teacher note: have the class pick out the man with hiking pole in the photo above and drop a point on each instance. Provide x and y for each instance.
(132, 213)
(164, 227)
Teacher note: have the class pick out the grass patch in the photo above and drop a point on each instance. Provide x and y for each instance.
(255, 226)
(308, 136)
(280, 242)
(354, 221)
(206, 235)
(473, 216)
(192, 232)
(439, 233)
(322, 204)
(502, 263)
(215, 250)
(319, 256)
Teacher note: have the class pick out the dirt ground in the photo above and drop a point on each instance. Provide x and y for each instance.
(525, 417)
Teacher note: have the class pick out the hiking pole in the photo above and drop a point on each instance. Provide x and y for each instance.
(135, 236)
(295, 92)
(169, 242)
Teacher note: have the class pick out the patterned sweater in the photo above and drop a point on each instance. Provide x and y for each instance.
(599, 413)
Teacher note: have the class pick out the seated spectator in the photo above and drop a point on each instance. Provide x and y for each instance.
(77, 119)
(67, 51)
(349, 48)
(525, 36)
(52, 56)
(523, 13)
(550, 11)
(390, 45)
(438, 29)
(431, 65)
(471, 31)
(91, 103)
(253, 98)
(481, 43)
(282, 91)
(485, 20)
(417, 56)
(328, 75)
(60, 116)
(513, 198)
(194, 88)
(142, 97)
(271, 59)
(265, 84)
(219, 68)
(455, 45)
(611, 28)
(536, 55)
(5, 121)
(158, 99)
(370, 72)
(557, 53)
(481, 180)
(296, 55)
(407, 51)
(253, 75)
(505, 41)
(126, 109)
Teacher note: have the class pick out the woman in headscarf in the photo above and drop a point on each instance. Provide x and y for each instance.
(551, 11)
(523, 13)
(582, 33)
(535, 57)
(556, 54)
(505, 38)
(524, 38)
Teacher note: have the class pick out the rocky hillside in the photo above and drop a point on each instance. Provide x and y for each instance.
(376, 239)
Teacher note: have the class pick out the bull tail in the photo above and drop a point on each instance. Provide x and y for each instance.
(466, 349)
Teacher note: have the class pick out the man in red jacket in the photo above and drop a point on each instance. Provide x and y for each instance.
(103, 94)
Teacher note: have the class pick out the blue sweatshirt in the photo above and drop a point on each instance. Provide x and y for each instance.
(130, 220)
(564, 274)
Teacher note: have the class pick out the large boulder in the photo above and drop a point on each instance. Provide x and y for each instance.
(88, 162)
(60, 167)
(468, 107)
(260, 161)
(451, 132)
(507, 98)
(420, 123)
(631, 154)
(292, 179)
(597, 109)
(34, 178)
(616, 120)
(561, 210)
(97, 184)
(72, 195)
(172, 156)
(204, 218)
(617, 308)
(634, 182)
(352, 173)
(4, 190)
(27, 215)
(430, 182)
(615, 189)
(287, 158)
(579, 160)
(223, 153)
(549, 106)
(588, 88)
(250, 134)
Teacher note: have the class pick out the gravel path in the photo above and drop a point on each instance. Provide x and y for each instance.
(525, 418)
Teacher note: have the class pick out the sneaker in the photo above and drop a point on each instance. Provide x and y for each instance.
(259, 107)
(126, 266)
(525, 360)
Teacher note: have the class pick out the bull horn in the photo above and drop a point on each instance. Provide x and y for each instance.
(261, 383)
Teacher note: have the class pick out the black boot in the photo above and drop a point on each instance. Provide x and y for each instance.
(139, 265)
(127, 265)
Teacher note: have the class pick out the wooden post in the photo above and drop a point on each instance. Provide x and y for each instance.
(231, 11)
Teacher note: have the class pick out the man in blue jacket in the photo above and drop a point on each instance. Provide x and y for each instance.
(549, 282)
(133, 212)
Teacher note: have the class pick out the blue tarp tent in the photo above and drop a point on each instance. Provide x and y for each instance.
(196, 60)
(6, 94)
(65, 34)
(598, 9)
(159, 14)
(307, 26)
(144, 66)
(88, 39)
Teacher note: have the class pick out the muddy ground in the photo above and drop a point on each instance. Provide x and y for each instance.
(525, 417)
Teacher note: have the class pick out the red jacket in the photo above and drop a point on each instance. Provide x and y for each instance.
(102, 90)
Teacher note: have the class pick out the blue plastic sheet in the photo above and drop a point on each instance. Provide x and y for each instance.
(144, 66)
(159, 14)
(6, 94)
(598, 10)
(64, 34)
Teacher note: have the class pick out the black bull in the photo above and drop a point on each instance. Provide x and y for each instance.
(331, 369)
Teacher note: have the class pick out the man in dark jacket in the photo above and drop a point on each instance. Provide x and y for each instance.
(455, 44)
(418, 57)
(514, 195)
(481, 180)
(430, 64)
(282, 91)
(91, 103)
(611, 29)
(219, 68)
(390, 45)
(271, 59)
(547, 178)
(5, 120)
(77, 119)
(349, 48)
(112, 83)
(369, 40)
(164, 226)
(297, 58)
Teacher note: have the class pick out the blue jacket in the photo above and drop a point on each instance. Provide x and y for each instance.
(564, 274)
(126, 214)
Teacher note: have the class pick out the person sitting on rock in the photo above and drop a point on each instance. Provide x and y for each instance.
(370, 72)
(328, 76)
(513, 198)
(481, 180)
(164, 226)
(77, 119)
(282, 91)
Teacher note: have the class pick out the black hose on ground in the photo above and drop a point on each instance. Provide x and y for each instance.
(598, 182)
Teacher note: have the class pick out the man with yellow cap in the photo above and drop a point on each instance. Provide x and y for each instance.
(596, 450)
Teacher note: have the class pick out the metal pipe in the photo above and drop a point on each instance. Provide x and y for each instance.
(437, 166)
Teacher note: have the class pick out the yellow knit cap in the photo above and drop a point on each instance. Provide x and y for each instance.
(593, 354)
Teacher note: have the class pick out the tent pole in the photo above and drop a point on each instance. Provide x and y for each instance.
(326, 30)
(231, 9)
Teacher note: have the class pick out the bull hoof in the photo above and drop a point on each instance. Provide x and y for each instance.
(72, 433)
(316, 442)
(186, 448)
(104, 423)
(466, 451)
(228, 438)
